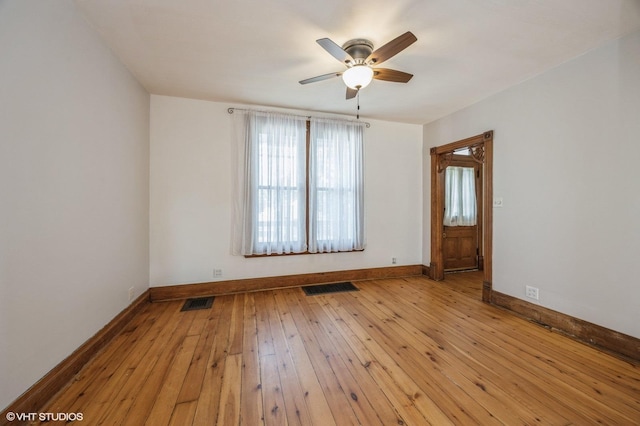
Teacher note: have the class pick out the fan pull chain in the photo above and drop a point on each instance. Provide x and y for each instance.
(358, 102)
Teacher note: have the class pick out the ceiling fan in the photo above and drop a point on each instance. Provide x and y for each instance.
(360, 58)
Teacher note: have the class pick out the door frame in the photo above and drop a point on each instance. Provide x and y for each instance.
(482, 151)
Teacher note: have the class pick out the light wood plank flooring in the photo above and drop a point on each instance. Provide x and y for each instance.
(398, 352)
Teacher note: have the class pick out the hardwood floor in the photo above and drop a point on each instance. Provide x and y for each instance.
(400, 351)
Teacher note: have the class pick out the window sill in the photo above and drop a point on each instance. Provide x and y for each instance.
(251, 256)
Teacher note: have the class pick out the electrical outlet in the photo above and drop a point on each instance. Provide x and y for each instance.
(132, 293)
(217, 273)
(531, 292)
(498, 202)
(394, 260)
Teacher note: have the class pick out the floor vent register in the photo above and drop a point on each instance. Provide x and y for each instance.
(312, 290)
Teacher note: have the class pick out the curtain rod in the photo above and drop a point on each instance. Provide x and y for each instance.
(230, 110)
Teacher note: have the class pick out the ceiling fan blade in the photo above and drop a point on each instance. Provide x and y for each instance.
(351, 93)
(320, 77)
(392, 48)
(335, 51)
(387, 74)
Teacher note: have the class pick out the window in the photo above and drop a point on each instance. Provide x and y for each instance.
(460, 196)
(299, 185)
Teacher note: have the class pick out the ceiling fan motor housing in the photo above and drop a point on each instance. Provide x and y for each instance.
(359, 49)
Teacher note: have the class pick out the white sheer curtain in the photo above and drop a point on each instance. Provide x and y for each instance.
(460, 196)
(336, 198)
(270, 183)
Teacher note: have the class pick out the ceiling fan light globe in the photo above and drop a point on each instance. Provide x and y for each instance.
(358, 77)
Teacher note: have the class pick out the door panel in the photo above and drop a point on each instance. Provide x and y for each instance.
(460, 244)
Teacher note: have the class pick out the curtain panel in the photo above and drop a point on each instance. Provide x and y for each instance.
(270, 183)
(460, 196)
(336, 183)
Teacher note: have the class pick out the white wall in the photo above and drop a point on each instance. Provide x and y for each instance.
(74, 155)
(191, 199)
(566, 164)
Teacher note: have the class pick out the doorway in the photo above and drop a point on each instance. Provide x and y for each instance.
(468, 246)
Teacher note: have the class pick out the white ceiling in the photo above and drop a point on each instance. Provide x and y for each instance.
(256, 51)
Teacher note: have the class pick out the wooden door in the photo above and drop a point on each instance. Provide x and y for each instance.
(460, 244)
